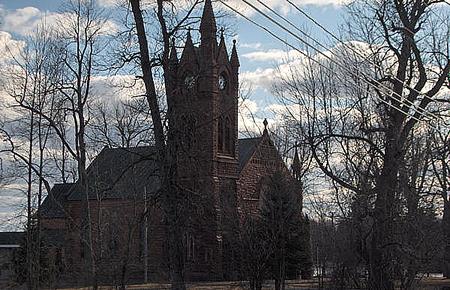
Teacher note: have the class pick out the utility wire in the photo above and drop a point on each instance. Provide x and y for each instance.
(354, 50)
(394, 94)
(408, 102)
(309, 57)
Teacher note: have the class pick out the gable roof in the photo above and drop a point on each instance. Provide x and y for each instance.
(246, 147)
(120, 173)
(52, 205)
(11, 238)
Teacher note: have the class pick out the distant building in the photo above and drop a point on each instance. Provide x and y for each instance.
(9, 243)
(222, 179)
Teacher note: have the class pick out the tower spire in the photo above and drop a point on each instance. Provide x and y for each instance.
(222, 55)
(173, 53)
(189, 50)
(234, 56)
(208, 31)
(296, 168)
(208, 26)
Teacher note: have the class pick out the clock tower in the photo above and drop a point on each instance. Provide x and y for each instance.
(204, 121)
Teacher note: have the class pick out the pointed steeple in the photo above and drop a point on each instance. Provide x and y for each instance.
(222, 56)
(208, 32)
(173, 57)
(296, 167)
(208, 24)
(189, 50)
(234, 56)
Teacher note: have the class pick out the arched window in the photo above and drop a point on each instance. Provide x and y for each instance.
(220, 134)
(231, 142)
(186, 132)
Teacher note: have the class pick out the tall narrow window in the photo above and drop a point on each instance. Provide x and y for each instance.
(220, 134)
(82, 253)
(227, 135)
(190, 247)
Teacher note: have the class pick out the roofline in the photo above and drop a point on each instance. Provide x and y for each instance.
(254, 151)
(250, 138)
(261, 138)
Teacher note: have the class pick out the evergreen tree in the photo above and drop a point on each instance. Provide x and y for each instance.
(286, 230)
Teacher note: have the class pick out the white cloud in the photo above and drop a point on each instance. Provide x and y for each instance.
(279, 5)
(253, 45)
(9, 47)
(249, 122)
(24, 21)
(21, 20)
(265, 78)
(108, 3)
(259, 78)
(275, 55)
(115, 88)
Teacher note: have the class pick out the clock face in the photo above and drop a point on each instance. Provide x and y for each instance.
(222, 82)
(189, 81)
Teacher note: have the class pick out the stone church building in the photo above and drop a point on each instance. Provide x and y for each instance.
(222, 179)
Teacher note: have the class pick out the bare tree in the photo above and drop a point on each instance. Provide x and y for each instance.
(78, 43)
(165, 146)
(441, 170)
(256, 252)
(30, 83)
(358, 127)
(125, 124)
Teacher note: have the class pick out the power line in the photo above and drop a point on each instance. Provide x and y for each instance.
(408, 102)
(348, 46)
(338, 64)
(309, 57)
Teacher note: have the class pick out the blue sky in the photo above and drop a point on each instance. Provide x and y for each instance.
(259, 52)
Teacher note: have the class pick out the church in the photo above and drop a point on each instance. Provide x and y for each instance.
(222, 178)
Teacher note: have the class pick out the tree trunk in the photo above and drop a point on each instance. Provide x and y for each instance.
(380, 277)
(165, 160)
(446, 231)
(30, 239)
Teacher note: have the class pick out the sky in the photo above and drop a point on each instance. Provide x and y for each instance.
(259, 52)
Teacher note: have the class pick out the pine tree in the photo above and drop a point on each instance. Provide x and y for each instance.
(287, 230)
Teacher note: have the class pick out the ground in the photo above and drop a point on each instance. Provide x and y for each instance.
(426, 284)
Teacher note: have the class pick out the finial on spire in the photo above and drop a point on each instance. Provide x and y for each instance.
(265, 125)
(234, 56)
(222, 30)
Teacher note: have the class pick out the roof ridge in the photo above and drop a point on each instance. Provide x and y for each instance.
(250, 138)
(133, 147)
(63, 183)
